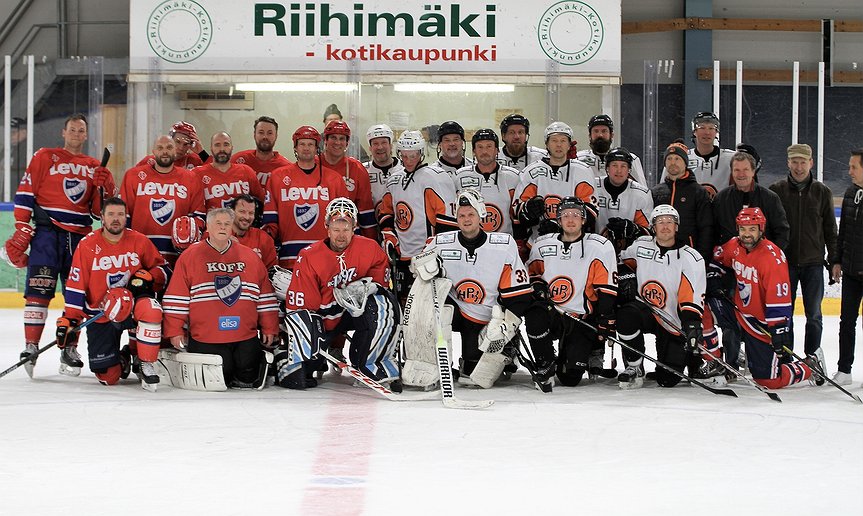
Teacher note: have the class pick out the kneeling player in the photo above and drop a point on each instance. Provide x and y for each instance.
(573, 274)
(338, 286)
(117, 269)
(670, 275)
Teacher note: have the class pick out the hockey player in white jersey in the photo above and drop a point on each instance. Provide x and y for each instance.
(418, 203)
(451, 147)
(671, 276)
(382, 165)
(496, 182)
(600, 130)
(619, 197)
(710, 164)
(544, 183)
(516, 153)
(574, 275)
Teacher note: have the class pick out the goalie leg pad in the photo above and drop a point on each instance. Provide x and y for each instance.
(488, 369)
(499, 330)
(419, 331)
(305, 332)
(191, 371)
(375, 337)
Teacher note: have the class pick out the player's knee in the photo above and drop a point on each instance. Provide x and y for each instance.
(108, 376)
(569, 377)
(148, 314)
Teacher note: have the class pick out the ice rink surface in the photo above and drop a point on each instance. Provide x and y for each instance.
(71, 446)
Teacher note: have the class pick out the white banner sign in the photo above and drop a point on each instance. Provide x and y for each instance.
(491, 37)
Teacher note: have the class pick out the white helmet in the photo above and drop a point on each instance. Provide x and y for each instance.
(558, 128)
(411, 141)
(379, 131)
(664, 209)
(341, 207)
(472, 197)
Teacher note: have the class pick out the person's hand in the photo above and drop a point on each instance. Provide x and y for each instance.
(179, 342)
(836, 272)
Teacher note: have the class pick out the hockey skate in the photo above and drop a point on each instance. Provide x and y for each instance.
(30, 350)
(70, 361)
(815, 361)
(595, 366)
(632, 377)
(125, 362)
(149, 376)
(842, 378)
(712, 373)
(543, 379)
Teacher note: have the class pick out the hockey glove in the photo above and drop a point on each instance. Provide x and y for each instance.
(16, 246)
(390, 244)
(540, 290)
(281, 280)
(548, 227)
(103, 178)
(605, 327)
(622, 229)
(627, 284)
(533, 210)
(427, 266)
(718, 281)
(141, 284)
(692, 335)
(65, 335)
(781, 338)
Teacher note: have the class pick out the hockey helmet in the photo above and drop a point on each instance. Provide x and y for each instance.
(342, 207)
(749, 149)
(472, 197)
(307, 132)
(596, 120)
(514, 119)
(118, 304)
(450, 127)
(379, 131)
(752, 216)
(411, 141)
(619, 154)
(664, 210)
(182, 127)
(705, 117)
(558, 128)
(572, 203)
(485, 135)
(337, 127)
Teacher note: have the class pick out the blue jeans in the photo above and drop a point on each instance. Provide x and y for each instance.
(852, 292)
(811, 277)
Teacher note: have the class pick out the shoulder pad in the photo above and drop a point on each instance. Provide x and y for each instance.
(509, 170)
(695, 254)
(542, 238)
(436, 169)
(593, 237)
(499, 238)
(536, 169)
(635, 185)
(446, 238)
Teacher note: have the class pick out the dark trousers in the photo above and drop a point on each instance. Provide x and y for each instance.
(852, 293)
(811, 278)
(240, 360)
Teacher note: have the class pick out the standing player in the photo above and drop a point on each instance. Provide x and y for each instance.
(299, 194)
(763, 301)
(450, 149)
(495, 182)
(710, 164)
(516, 153)
(257, 240)
(338, 286)
(670, 276)
(576, 273)
(620, 197)
(220, 292)
(417, 205)
(119, 270)
(356, 177)
(601, 133)
(189, 153)
(263, 159)
(160, 193)
(383, 164)
(60, 193)
(222, 180)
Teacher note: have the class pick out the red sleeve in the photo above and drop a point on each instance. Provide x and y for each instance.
(305, 289)
(176, 299)
(155, 263)
(380, 267)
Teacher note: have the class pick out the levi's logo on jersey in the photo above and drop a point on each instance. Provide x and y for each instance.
(226, 190)
(74, 169)
(470, 291)
(314, 193)
(225, 267)
(123, 261)
(746, 272)
(171, 189)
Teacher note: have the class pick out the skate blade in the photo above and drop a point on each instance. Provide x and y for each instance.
(69, 370)
(628, 386)
(29, 366)
(149, 387)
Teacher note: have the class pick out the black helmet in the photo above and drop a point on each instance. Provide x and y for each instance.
(450, 127)
(600, 120)
(485, 134)
(514, 119)
(705, 116)
(619, 154)
(572, 203)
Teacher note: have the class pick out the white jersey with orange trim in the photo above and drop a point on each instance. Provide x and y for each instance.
(713, 172)
(576, 272)
(634, 203)
(531, 155)
(670, 279)
(497, 189)
(597, 165)
(493, 270)
(452, 169)
(378, 178)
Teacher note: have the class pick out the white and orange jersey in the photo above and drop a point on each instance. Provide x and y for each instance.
(519, 163)
(671, 279)
(450, 169)
(576, 272)
(262, 168)
(712, 172)
(378, 178)
(494, 270)
(416, 205)
(634, 203)
(220, 188)
(497, 189)
(597, 165)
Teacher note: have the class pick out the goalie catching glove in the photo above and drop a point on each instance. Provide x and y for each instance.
(500, 329)
(353, 296)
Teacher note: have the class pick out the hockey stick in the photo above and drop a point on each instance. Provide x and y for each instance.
(664, 316)
(529, 363)
(106, 156)
(370, 382)
(816, 369)
(725, 392)
(50, 345)
(443, 363)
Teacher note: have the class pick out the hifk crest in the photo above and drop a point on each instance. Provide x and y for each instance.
(162, 210)
(228, 289)
(74, 189)
(745, 292)
(117, 279)
(306, 215)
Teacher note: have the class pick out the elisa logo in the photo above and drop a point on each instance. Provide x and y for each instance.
(229, 322)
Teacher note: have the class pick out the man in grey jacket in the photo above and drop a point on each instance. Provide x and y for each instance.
(808, 205)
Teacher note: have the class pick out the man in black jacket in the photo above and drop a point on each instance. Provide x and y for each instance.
(808, 203)
(848, 265)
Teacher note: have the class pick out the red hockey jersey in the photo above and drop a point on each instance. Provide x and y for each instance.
(99, 265)
(189, 161)
(319, 269)
(261, 243)
(220, 188)
(223, 296)
(262, 168)
(359, 187)
(61, 184)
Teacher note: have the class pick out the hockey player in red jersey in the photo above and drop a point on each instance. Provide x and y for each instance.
(117, 270)
(338, 285)
(763, 301)
(298, 196)
(59, 193)
(156, 195)
(263, 159)
(220, 292)
(336, 138)
(255, 239)
(189, 153)
(222, 180)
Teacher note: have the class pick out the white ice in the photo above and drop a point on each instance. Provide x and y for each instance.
(71, 446)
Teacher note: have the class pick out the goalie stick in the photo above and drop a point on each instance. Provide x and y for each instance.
(443, 362)
(50, 345)
(370, 382)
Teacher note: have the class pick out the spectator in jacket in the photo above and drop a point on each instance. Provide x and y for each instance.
(848, 265)
(808, 205)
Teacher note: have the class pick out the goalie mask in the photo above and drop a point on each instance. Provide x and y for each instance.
(342, 208)
(471, 197)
